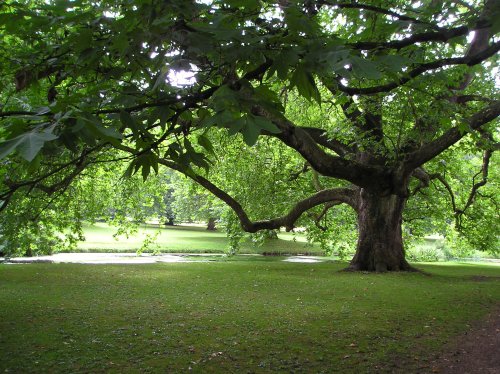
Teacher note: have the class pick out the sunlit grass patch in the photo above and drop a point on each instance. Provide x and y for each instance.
(186, 239)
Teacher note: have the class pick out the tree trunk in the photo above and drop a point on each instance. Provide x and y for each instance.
(380, 241)
(211, 224)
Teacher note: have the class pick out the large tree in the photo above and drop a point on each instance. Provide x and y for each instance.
(394, 86)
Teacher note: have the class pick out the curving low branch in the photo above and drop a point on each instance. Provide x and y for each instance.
(336, 195)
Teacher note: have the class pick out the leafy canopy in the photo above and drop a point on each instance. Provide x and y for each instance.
(366, 93)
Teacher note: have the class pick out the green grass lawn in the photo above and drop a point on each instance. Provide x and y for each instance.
(234, 316)
(186, 239)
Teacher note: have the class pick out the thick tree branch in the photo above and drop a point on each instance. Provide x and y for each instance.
(423, 68)
(432, 36)
(326, 164)
(432, 149)
(424, 180)
(463, 99)
(438, 34)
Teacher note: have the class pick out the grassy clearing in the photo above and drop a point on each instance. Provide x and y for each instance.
(234, 316)
(186, 239)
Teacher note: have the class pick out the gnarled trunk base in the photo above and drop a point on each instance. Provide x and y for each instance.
(211, 224)
(380, 242)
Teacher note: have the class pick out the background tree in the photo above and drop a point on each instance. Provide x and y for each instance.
(392, 89)
(192, 203)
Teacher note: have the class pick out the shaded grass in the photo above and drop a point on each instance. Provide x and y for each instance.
(186, 239)
(234, 316)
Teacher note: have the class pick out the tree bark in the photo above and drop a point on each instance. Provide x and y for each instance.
(380, 241)
(211, 224)
(170, 221)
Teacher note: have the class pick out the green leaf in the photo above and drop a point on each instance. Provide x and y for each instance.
(28, 145)
(265, 124)
(206, 143)
(304, 81)
(202, 113)
(393, 63)
(495, 20)
(96, 128)
(199, 160)
(164, 113)
(8, 147)
(130, 170)
(236, 125)
(365, 68)
(224, 98)
(283, 62)
(82, 40)
(209, 121)
(128, 121)
(250, 133)
(161, 78)
(144, 162)
(146, 170)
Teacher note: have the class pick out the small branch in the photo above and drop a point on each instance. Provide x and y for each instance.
(296, 175)
(79, 161)
(189, 100)
(65, 182)
(425, 178)
(446, 185)
(477, 185)
(319, 217)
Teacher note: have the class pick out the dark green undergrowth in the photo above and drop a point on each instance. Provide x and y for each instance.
(234, 316)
